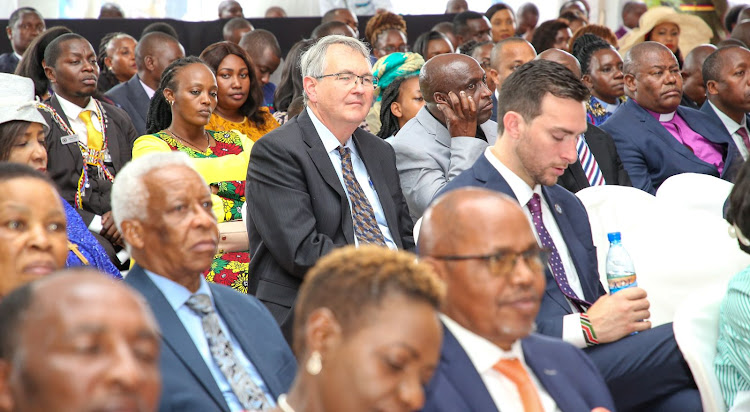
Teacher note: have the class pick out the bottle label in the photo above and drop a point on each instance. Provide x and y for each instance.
(617, 283)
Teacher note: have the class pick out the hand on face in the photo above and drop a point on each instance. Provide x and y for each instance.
(460, 114)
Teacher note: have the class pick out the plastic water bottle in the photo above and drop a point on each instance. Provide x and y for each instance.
(620, 269)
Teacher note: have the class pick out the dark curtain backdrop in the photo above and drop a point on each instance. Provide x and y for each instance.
(195, 36)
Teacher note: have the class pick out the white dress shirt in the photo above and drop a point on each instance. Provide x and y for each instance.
(72, 111)
(331, 143)
(572, 331)
(484, 355)
(732, 128)
(149, 91)
(177, 296)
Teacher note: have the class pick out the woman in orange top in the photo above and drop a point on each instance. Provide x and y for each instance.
(240, 104)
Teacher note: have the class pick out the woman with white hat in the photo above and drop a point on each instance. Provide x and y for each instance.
(22, 140)
(680, 32)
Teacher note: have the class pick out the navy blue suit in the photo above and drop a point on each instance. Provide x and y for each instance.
(644, 371)
(651, 154)
(564, 371)
(132, 98)
(187, 383)
(8, 62)
(709, 111)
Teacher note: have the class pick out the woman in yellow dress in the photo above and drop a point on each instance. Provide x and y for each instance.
(240, 105)
(177, 119)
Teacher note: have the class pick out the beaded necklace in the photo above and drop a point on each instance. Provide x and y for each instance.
(90, 156)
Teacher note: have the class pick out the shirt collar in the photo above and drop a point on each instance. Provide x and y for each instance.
(609, 107)
(330, 142)
(730, 124)
(520, 189)
(661, 117)
(149, 91)
(175, 293)
(483, 353)
(18, 56)
(72, 110)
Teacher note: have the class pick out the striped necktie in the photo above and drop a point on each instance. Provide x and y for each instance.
(589, 164)
(366, 227)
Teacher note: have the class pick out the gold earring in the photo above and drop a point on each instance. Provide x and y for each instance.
(314, 364)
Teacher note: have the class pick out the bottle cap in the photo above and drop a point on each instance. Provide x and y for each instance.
(614, 236)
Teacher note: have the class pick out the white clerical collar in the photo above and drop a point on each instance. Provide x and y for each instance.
(666, 117)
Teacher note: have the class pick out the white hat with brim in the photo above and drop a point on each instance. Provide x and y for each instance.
(693, 30)
(17, 100)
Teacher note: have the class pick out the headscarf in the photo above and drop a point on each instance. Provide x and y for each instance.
(387, 69)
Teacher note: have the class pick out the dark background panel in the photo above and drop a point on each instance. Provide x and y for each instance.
(195, 36)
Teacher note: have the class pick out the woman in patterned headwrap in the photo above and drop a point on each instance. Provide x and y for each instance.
(387, 69)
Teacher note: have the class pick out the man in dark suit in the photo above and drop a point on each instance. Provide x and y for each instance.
(693, 87)
(88, 141)
(507, 55)
(154, 52)
(597, 150)
(542, 115)
(474, 238)
(221, 350)
(24, 25)
(304, 176)
(726, 74)
(656, 138)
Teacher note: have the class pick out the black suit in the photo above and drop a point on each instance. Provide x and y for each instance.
(65, 162)
(298, 210)
(132, 98)
(603, 148)
(8, 62)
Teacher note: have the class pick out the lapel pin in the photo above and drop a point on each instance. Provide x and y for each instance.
(550, 372)
(558, 209)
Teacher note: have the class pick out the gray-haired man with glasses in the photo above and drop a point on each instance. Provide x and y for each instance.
(481, 245)
(319, 182)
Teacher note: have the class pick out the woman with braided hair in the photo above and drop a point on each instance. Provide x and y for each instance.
(116, 60)
(401, 101)
(386, 33)
(177, 118)
(601, 68)
(387, 69)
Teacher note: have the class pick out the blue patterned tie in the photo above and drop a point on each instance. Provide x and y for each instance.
(248, 393)
(555, 263)
(366, 228)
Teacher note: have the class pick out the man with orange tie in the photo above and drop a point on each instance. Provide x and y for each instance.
(481, 245)
(88, 140)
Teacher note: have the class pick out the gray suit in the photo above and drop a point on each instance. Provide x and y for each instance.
(132, 98)
(427, 157)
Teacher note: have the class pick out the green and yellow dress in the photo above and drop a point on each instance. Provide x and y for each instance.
(224, 166)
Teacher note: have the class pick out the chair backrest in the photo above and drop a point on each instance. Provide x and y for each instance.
(681, 190)
(696, 329)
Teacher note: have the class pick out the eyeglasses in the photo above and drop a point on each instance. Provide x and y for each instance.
(350, 79)
(503, 261)
(393, 49)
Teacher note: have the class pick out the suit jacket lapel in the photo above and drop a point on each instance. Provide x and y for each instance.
(72, 147)
(138, 95)
(174, 334)
(322, 162)
(457, 368)
(374, 165)
(112, 140)
(577, 173)
(548, 377)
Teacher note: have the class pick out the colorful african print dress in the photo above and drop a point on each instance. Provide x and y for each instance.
(223, 166)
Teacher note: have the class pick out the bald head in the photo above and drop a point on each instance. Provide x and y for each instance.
(692, 73)
(562, 57)
(443, 73)
(229, 9)
(741, 32)
(642, 53)
(153, 53)
(457, 216)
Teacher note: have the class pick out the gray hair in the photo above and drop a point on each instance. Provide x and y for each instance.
(129, 193)
(313, 61)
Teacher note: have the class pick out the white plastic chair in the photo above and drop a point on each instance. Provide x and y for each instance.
(696, 329)
(696, 192)
(676, 250)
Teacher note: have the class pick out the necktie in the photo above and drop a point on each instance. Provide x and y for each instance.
(366, 228)
(514, 370)
(248, 393)
(555, 262)
(745, 138)
(589, 164)
(94, 136)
